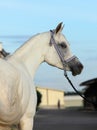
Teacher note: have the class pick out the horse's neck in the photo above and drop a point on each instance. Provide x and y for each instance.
(31, 54)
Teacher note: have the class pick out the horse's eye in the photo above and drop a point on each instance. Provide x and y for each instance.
(63, 45)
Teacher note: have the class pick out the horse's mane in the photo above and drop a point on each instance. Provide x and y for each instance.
(26, 42)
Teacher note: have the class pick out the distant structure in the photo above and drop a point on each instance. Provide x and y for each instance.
(90, 93)
(72, 99)
(51, 98)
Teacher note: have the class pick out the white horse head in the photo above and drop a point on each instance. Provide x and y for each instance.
(71, 62)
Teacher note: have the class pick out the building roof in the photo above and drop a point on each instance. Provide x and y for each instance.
(89, 82)
(46, 88)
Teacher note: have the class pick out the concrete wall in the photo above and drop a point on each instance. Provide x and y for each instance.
(73, 101)
(50, 97)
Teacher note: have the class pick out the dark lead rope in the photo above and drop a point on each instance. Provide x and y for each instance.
(64, 63)
(87, 100)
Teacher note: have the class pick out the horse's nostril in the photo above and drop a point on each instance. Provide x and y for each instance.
(82, 66)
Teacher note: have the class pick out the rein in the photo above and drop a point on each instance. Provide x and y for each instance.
(65, 63)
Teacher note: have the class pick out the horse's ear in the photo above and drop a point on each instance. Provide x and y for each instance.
(59, 28)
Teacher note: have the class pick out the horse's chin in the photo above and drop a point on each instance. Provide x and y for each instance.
(76, 73)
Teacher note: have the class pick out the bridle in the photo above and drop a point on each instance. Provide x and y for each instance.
(65, 63)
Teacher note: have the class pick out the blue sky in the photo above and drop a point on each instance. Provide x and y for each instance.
(28, 17)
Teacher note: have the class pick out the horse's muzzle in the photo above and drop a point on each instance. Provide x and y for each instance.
(75, 66)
